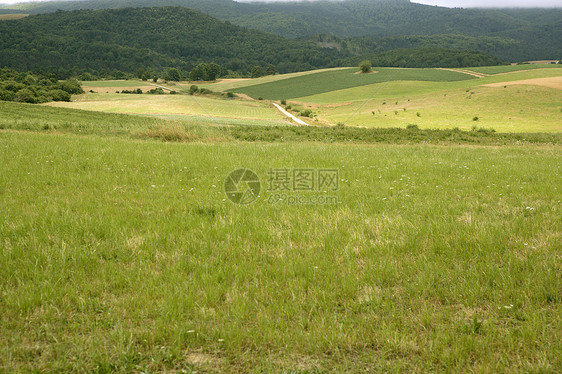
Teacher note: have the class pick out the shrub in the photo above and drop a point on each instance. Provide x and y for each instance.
(156, 91)
(193, 90)
(25, 95)
(365, 66)
(283, 102)
(6, 95)
(412, 127)
(72, 86)
(59, 95)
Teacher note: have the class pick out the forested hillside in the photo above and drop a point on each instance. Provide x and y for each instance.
(135, 38)
(426, 58)
(109, 43)
(512, 34)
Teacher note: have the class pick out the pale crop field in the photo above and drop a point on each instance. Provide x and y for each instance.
(112, 84)
(8, 17)
(119, 254)
(177, 106)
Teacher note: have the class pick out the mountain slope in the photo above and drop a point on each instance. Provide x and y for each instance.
(133, 38)
(532, 33)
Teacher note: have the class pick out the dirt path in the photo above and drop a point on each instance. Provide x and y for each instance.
(164, 88)
(297, 120)
(468, 72)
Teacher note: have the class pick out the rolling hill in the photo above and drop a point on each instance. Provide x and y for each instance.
(112, 41)
(155, 38)
(512, 34)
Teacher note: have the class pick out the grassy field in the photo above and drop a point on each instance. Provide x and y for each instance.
(7, 17)
(208, 109)
(115, 83)
(229, 84)
(513, 108)
(427, 98)
(124, 255)
(328, 81)
(512, 68)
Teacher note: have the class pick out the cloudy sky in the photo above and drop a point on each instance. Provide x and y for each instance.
(493, 3)
(447, 3)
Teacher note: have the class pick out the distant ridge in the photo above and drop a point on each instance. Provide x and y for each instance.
(529, 34)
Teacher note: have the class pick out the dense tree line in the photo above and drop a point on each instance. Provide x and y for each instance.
(512, 34)
(103, 42)
(178, 44)
(27, 87)
(428, 58)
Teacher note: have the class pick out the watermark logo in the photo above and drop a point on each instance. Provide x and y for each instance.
(297, 186)
(242, 186)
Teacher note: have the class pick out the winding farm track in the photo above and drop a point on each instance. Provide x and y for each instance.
(297, 120)
(165, 88)
(473, 73)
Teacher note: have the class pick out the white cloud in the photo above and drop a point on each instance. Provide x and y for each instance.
(493, 4)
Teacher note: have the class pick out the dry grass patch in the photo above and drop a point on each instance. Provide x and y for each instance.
(549, 82)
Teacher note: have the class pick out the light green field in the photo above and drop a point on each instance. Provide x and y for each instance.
(512, 68)
(121, 255)
(177, 106)
(328, 81)
(408, 89)
(517, 108)
(443, 99)
(228, 84)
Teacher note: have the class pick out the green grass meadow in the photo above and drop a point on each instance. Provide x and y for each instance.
(328, 81)
(120, 251)
(512, 68)
(439, 250)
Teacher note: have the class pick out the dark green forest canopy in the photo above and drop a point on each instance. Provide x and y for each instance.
(129, 40)
(511, 34)
(132, 38)
(427, 58)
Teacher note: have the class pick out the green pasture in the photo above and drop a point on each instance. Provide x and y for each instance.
(121, 255)
(410, 89)
(229, 84)
(516, 108)
(318, 83)
(511, 68)
(510, 109)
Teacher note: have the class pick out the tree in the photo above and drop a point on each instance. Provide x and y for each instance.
(198, 73)
(173, 74)
(256, 72)
(213, 72)
(365, 66)
(270, 70)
